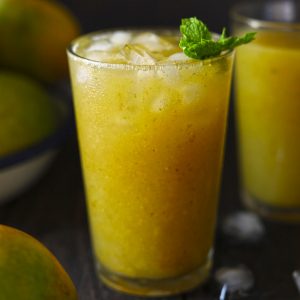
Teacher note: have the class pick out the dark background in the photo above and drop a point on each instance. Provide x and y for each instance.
(98, 14)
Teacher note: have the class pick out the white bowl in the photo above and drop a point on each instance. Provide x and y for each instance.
(16, 179)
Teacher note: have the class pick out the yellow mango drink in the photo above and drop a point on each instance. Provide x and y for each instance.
(268, 116)
(151, 125)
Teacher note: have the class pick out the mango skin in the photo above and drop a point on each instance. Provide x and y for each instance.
(28, 270)
(34, 35)
(27, 113)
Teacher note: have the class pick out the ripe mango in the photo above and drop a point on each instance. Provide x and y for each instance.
(34, 35)
(27, 114)
(28, 271)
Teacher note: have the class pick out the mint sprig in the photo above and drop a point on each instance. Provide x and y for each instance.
(197, 41)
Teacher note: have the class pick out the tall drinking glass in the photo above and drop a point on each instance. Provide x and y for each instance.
(268, 107)
(151, 125)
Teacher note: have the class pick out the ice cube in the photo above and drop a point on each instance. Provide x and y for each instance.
(100, 36)
(100, 45)
(296, 276)
(82, 74)
(137, 55)
(244, 227)
(180, 56)
(152, 42)
(97, 56)
(159, 104)
(171, 75)
(239, 279)
(120, 38)
(106, 57)
(191, 92)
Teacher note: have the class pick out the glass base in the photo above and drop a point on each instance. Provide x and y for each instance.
(156, 287)
(271, 212)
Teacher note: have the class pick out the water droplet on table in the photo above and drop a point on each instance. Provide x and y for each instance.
(296, 276)
(244, 227)
(238, 279)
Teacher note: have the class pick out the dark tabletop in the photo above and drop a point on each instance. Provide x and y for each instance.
(54, 212)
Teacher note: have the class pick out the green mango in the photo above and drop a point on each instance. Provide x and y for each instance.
(34, 36)
(27, 114)
(28, 270)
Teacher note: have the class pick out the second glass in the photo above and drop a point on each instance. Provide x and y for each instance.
(151, 126)
(268, 107)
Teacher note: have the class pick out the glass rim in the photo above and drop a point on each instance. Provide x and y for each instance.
(130, 66)
(258, 23)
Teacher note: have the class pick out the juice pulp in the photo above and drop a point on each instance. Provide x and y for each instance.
(151, 133)
(268, 114)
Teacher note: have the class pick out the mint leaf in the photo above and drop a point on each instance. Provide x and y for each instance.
(197, 42)
(229, 43)
(193, 29)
